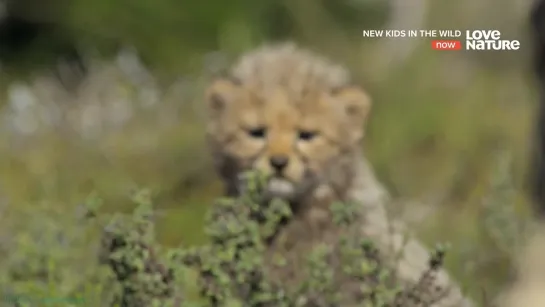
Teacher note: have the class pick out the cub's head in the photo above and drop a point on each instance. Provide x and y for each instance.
(300, 140)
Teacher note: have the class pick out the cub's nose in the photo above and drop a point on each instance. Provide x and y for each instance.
(278, 163)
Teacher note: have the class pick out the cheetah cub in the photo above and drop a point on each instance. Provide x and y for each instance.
(297, 117)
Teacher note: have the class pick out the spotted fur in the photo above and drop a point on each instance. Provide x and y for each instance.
(281, 102)
(283, 105)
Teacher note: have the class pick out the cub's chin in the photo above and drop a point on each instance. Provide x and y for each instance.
(281, 188)
(277, 187)
(289, 191)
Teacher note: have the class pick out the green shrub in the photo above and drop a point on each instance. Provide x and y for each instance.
(62, 262)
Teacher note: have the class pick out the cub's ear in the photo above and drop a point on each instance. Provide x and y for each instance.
(356, 103)
(221, 92)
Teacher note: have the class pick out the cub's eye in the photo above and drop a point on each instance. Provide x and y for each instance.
(257, 133)
(306, 135)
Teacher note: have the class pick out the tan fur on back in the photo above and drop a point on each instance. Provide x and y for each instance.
(529, 289)
(282, 103)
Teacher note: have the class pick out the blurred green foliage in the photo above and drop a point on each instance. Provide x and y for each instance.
(170, 35)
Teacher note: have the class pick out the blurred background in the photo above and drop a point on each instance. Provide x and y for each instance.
(105, 96)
